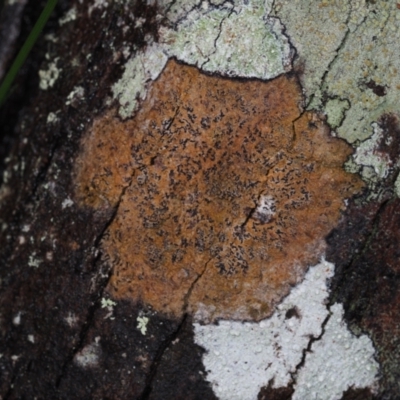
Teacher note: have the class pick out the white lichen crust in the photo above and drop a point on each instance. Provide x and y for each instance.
(242, 357)
(336, 362)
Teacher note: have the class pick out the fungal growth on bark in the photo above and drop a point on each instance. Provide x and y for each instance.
(225, 192)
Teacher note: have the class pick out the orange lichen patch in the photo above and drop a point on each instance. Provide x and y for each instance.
(232, 194)
(104, 168)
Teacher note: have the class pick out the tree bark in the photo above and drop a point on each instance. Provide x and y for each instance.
(183, 191)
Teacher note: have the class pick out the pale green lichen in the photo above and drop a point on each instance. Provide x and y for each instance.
(344, 48)
(49, 76)
(139, 71)
(233, 39)
(142, 324)
(176, 10)
(335, 110)
(107, 303)
(239, 40)
(316, 29)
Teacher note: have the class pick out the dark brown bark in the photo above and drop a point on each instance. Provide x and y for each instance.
(53, 274)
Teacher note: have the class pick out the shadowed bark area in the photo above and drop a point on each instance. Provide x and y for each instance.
(61, 335)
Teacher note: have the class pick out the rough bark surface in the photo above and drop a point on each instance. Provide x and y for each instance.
(78, 318)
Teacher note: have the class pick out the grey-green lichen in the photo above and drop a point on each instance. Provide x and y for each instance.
(142, 324)
(367, 154)
(335, 110)
(347, 50)
(348, 56)
(140, 70)
(397, 186)
(233, 39)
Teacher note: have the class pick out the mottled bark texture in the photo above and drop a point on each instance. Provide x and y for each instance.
(63, 263)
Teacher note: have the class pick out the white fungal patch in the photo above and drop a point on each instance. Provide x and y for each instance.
(66, 203)
(34, 262)
(266, 209)
(337, 362)
(68, 17)
(243, 357)
(71, 319)
(17, 319)
(88, 356)
(97, 4)
(49, 77)
(77, 93)
(26, 228)
(368, 154)
(51, 118)
(15, 358)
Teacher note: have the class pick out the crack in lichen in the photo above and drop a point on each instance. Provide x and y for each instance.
(185, 15)
(216, 38)
(11, 386)
(308, 348)
(338, 52)
(331, 63)
(186, 298)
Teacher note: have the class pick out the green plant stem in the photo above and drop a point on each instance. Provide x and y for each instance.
(26, 48)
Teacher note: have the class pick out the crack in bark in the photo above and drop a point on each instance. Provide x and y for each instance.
(158, 358)
(367, 242)
(100, 286)
(99, 290)
(167, 343)
(11, 387)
